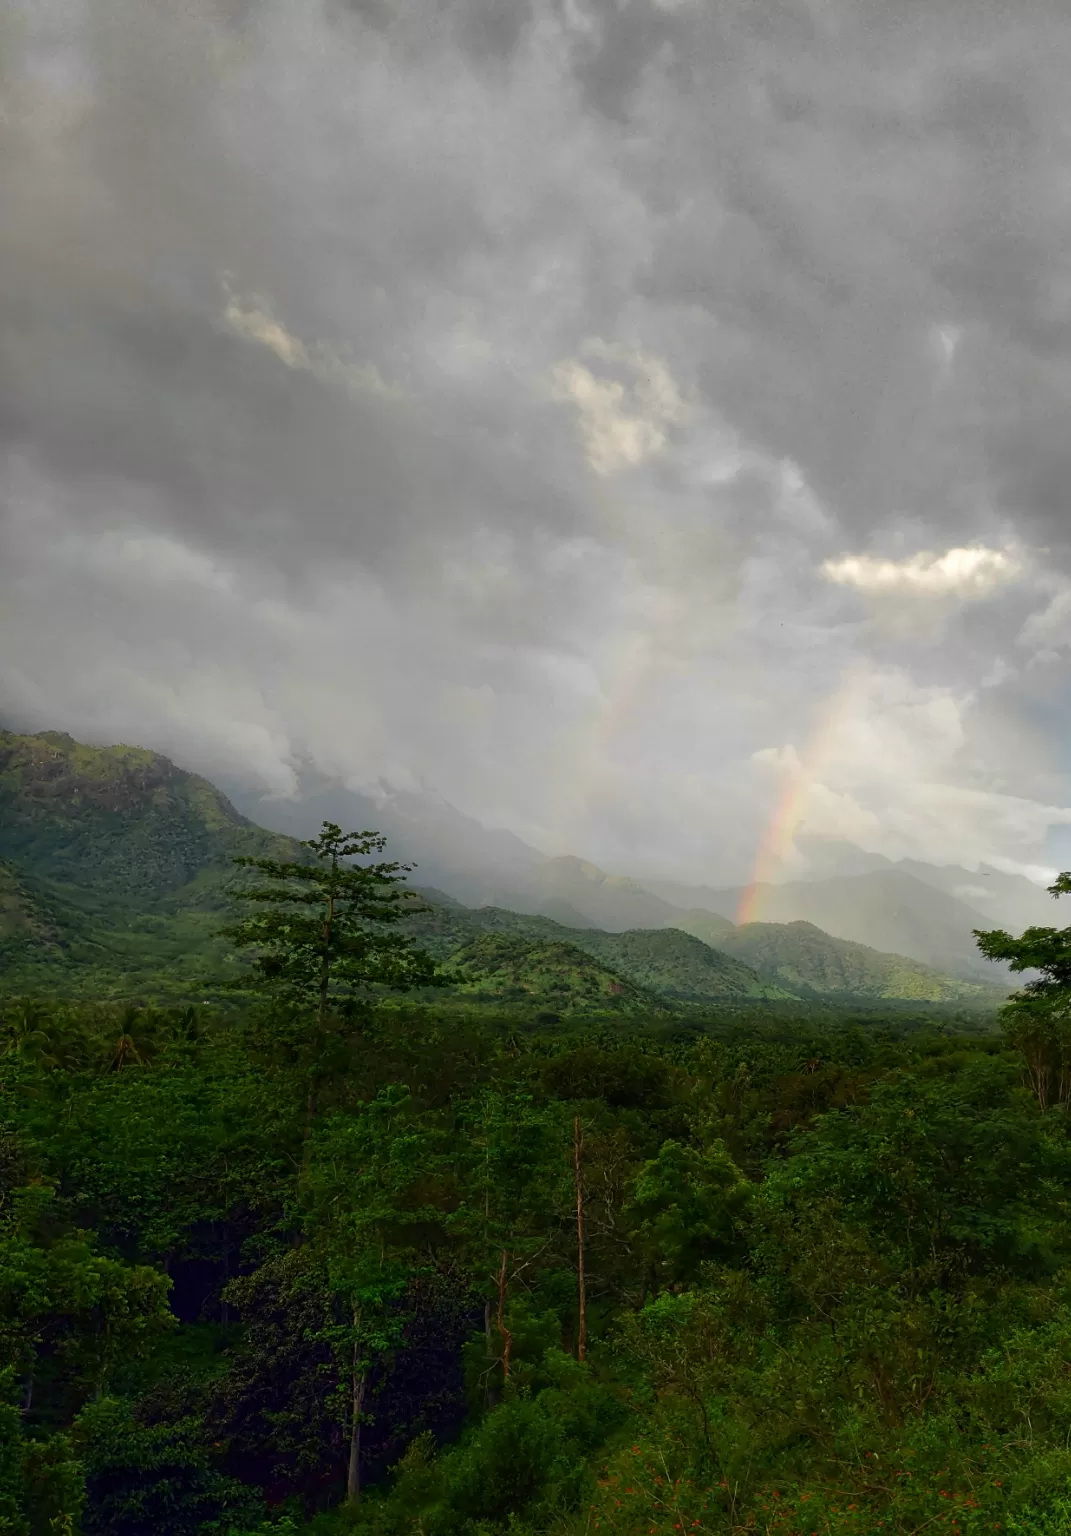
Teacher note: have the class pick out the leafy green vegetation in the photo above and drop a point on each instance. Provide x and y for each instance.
(828, 1282)
(511, 968)
(595, 1237)
(768, 961)
(115, 871)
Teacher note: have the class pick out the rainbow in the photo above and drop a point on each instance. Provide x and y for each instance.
(780, 832)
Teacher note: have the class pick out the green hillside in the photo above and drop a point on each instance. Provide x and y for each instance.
(546, 973)
(678, 966)
(812, 963)
(121, 818)
(22, 919)
(114, 874)
(114, 869)
(708, 926)
(667, 962)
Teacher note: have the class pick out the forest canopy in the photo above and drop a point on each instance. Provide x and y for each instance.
(326, 1259)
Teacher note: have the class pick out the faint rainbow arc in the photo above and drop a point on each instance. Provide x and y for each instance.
(780, 830)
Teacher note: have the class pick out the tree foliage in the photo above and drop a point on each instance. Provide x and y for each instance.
(827, 1277)
(325, 932)
(1038, 1018)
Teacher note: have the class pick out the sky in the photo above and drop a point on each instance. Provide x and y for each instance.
(645, 423)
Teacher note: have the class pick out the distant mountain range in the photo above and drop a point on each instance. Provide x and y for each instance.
(925, 912)
(758, 962)
(114, 867)
(666, 965)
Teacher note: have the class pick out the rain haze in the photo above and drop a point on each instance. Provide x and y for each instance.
(643, 425)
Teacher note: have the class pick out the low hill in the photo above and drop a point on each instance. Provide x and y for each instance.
(545, 973)
(760, 960)
(666, 962)
(888, 909)
(813, 964)
(680, 967)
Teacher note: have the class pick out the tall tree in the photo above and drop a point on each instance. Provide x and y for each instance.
(324, 931)
(369, 1207)
(1037, 1020)
(581, 1282)
(515, 1201)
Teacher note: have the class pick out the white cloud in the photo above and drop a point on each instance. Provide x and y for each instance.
(946, 340)
(622, 422)
(254, 321)
(964, 573)
(1049, 630)
(891, 770)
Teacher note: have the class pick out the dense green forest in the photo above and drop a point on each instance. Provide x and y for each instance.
(825, 1271)
(436, 1222)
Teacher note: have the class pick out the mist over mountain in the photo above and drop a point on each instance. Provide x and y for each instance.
(476, 865)
(450, 850)
(886, 909)
(927, 913)
(115, 865)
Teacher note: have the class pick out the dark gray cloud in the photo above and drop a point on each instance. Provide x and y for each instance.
(479, 397)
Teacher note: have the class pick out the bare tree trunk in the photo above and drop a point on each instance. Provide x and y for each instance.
(578, 1172)
(325, 959)
(353, 1467)
(507, 1337)
(490, 1391)
(224, 1308)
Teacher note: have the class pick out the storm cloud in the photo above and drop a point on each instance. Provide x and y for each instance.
(603, 413)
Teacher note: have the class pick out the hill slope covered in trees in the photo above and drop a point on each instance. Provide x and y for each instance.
(115, 876)
(115, 869)
(814, 964)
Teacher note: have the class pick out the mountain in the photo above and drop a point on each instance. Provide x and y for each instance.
(887, 909)
(666, 962)
(612, 902)
(922, 912)
(813, 964)
(546, 973)
(760, 960)
(122, 819)
(1005, 901)
(475, 865)
(113, 867)
(716, 901)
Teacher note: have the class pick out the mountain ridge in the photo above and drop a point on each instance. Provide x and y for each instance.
(915, 910)
(115, 865)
